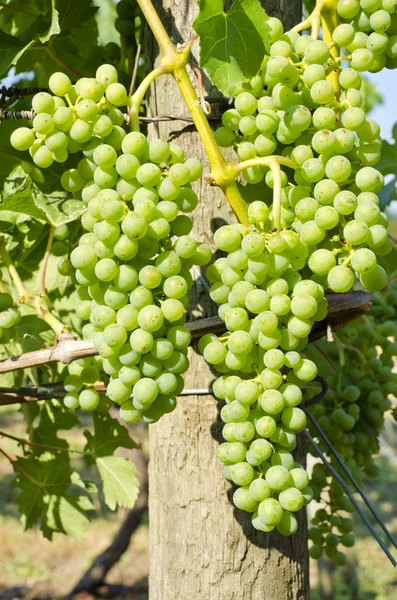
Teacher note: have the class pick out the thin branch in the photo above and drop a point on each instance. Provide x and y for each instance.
(202, 101)
(8, 457)
(137, 58)
(25, 442)
(22, 291)
(342, 308)
(66, 351)
(45, 261)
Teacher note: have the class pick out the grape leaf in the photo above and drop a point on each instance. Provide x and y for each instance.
(73, 14)
(21, 195)
(108, 435)
(12, 47)
(120, 482)
(67, 514)
(232, 44)
(38, 478)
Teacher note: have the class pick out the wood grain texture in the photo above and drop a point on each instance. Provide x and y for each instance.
(200, 546)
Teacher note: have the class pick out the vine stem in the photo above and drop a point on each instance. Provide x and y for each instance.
(35, 301)
(329, 20)
(45, 262)
(174, 62)
(136, 99)
(5, 257)
(273, 162)
(24, 442)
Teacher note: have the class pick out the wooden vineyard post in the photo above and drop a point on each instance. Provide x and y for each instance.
(201, 548)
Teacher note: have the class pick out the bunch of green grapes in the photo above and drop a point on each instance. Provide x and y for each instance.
(352, 416)
(330, 198)
(9, 316)
(271, 285)
(133, 263)
(368, 31)
(76, 114)
(268, 309)
(133, 266)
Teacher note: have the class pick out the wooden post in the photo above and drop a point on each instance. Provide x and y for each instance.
(201, 548)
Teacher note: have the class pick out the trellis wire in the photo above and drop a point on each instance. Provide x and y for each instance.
(350, 477)
(352, 499)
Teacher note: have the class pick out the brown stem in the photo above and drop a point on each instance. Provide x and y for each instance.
(67, 350)
(24, 442)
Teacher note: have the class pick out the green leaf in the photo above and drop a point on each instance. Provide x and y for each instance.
(21, 195)
(108, 435)
(38, 478)
(73, 14)
(12, 48)
(232, 44)
(120, 482)
(67, 514)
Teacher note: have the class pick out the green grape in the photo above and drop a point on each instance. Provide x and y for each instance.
(353, 118)
(322, 92)
(369, 179)
(316, 52)
(322, 261)
(224, 137)
(340, 279)
(374, 280)
(343, 35)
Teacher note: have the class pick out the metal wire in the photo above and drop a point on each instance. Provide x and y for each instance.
(352, 479)
(352, 499)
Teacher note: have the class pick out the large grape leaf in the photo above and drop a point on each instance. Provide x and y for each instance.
(120, 481)
(38, 479)
(232, 44)
(119, 476)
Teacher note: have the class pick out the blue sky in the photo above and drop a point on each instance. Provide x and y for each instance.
(386, 114)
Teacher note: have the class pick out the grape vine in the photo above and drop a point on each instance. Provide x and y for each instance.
(312, 225)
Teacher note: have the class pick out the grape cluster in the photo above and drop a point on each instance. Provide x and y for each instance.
(352, 416)
(268, 310)
(133, 263)
(369, 33)
(329, 197)
(133, 266)
(9, 316)
(75, 115)
(271, 285)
